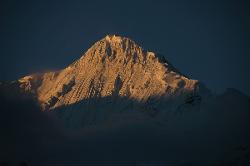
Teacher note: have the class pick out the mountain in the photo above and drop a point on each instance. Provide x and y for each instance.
(117, 74)
(112, 66)
(121, 105)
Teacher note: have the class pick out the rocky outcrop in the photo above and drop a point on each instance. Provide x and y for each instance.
(114, 74)
(112, 66)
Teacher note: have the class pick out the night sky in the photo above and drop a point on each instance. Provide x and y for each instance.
(206, 40)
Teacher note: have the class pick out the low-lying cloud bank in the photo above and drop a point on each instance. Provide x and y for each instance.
(216, 134)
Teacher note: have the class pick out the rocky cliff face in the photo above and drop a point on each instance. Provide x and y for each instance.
(114, 67)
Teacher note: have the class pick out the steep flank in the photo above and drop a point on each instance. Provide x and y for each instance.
(113, 66)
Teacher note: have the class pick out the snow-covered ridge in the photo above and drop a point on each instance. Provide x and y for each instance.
(114, 67)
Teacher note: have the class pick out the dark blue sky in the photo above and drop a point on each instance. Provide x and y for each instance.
(206, 40)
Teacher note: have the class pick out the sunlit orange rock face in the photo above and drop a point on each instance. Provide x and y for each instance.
(113, 66)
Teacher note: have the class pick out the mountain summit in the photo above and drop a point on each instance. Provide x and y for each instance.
(113, 68)
(114, 65)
